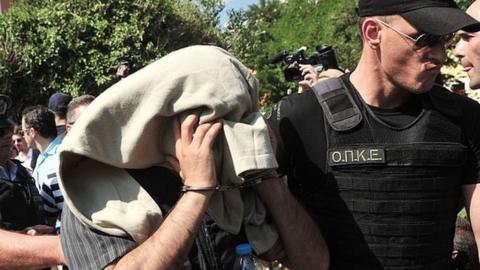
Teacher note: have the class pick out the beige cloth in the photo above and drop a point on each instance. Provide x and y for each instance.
(129, 126)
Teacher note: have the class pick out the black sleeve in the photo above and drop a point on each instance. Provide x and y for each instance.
(298, 124)
(274, 121)
(471, 127)
(87, 249)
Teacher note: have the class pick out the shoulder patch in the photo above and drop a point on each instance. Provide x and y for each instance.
(339, 107)
(52, 175)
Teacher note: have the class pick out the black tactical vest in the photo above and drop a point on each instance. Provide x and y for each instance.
(20, 204)
(392, 193)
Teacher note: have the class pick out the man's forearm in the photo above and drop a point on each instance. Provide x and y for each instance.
(302, 240)
(20, 251)
(471, 196)
(169, 246)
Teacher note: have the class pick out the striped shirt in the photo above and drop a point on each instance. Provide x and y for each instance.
(88, 249)
(46, 179)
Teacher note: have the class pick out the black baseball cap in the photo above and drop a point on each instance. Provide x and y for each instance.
(437, 17)
(5, 104)
(58, 102)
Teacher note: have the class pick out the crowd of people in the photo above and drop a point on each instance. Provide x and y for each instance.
(174, 166)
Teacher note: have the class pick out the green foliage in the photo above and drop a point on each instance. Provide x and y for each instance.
(75, 45)
(463, 4)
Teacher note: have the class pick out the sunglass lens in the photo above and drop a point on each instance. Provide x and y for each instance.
(427, 40)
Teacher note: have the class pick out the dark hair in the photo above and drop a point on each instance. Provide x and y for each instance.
(77, 102)
(41, 119)
(17, 130)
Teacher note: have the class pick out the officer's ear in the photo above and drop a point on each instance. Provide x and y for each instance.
(371, 30)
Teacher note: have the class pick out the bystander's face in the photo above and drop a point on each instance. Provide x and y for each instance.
(27, 134)
(19, 143)
(468, 49)
(404, 64)
(74, 115)
(5, 143)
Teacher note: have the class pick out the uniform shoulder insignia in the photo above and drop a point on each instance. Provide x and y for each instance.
(332, 95)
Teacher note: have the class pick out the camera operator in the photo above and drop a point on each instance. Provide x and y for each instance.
(307, 70)
(311, 75)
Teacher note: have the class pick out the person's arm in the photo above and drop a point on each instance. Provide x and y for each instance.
(21, 251)
(300, 236)
(471, 196)
(303, 243)
(170, 244)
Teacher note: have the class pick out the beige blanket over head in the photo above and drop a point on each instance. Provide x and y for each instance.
(129, 126)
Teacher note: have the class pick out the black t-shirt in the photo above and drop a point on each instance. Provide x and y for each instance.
(299, 125)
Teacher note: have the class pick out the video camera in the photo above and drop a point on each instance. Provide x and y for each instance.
(323, 59)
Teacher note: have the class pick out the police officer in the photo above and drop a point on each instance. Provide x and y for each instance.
(382, 156)
(21, 210)
(20, 203)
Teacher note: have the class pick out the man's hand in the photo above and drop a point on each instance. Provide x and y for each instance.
(310, 77)
(330, 73)
(193, 147)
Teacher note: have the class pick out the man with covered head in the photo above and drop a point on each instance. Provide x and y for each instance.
(173, 167)
(382, 156)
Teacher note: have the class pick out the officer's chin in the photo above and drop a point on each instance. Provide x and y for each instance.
(474, 83)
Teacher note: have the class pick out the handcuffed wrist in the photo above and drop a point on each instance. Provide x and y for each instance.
(253, 180)
(200, 189)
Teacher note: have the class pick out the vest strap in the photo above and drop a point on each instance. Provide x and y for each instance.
(341, 111)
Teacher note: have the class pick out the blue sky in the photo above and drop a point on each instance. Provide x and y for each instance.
(234, 4)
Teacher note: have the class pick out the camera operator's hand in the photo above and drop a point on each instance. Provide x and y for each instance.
(194, 153)
(310, 77)
(330, 73)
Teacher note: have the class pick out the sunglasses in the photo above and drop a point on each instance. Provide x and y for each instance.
(423, 40)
